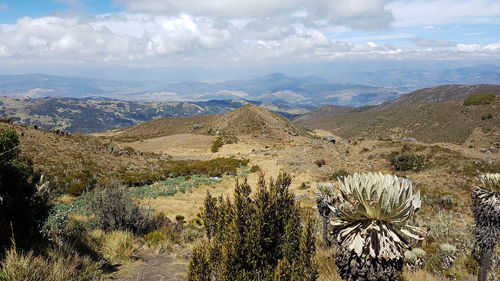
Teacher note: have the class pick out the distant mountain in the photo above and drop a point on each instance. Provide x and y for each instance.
(412, 79)
(273, 88)
(324, 110)
(90, 115)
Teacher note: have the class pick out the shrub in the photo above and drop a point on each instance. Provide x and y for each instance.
(479, 99)
(407, 161)
(154, 238)
(339, 174)
(222, 140)
(259, 238)
(320, 162)
(22, 205)
(114, 209)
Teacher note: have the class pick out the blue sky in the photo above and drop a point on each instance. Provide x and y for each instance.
(87, 34)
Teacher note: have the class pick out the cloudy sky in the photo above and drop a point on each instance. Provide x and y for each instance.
(227, 34)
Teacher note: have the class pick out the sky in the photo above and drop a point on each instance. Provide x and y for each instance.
(127, 37)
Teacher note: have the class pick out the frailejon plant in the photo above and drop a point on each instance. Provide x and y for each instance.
(369, 226)
(324, 200)
(486, 211)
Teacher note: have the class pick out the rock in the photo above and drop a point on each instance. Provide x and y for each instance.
(293, 134)
(410, 139)
(477, 162)
(330, 139)
(197, 126)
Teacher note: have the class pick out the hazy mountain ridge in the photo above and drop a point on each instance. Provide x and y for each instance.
(273, 88)
(413, 79)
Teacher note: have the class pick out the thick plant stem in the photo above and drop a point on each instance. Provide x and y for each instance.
(326, 241)
(484, 264)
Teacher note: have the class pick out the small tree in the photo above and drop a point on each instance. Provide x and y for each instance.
(259, 238)
(22, 207)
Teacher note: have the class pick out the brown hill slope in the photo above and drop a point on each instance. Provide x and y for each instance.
(75, 162)
(440, 94)
(433, 122)
(246, 120)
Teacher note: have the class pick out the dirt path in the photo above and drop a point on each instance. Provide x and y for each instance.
(153, 267)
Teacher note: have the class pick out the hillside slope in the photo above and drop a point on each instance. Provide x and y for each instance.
(246, 120)
(432, 122)
(440, 94)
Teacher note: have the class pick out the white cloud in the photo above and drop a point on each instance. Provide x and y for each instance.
(423, 13)
(360, 14)
(425, 42)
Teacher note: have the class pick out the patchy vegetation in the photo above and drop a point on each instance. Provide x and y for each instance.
(479, 99)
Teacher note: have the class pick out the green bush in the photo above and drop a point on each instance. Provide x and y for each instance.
(22, 206)
(154, 238)
(214, 168)
(479, 99)
(407, 161)
(259, 238)
(114, 209)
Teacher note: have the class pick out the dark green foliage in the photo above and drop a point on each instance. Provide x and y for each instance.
(478, 99)
(22, 207)
(259, 238)
(214, 168)
(407, 161)
(222, 140)
(114, 209)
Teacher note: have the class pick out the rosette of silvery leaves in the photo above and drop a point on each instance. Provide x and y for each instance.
(370, 226)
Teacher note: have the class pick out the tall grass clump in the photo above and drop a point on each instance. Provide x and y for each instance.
(57, 264)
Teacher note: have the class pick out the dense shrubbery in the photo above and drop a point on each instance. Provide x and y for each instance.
(259, 238)
(478, 99)
(22, 206)
(406, 160)
(214, 168)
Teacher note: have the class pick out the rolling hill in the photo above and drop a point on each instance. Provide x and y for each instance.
(246, 120)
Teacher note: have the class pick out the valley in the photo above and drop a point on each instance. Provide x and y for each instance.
(145, 158)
